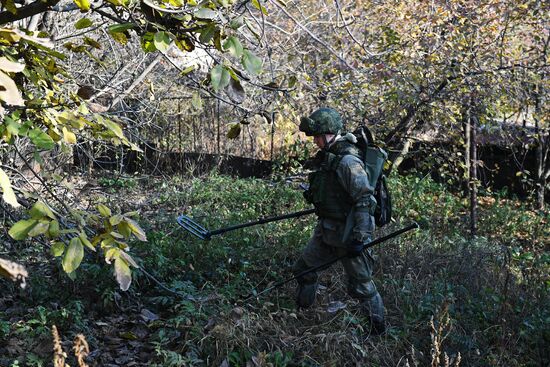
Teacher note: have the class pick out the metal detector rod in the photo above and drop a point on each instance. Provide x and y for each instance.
(329, 263)
(261, 221)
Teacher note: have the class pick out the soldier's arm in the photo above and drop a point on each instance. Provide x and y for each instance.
(355, 180)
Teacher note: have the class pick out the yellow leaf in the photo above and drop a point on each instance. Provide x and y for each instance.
(8, 194)
(84, 5)
(104, 211)
(123, 273)
(69, 136)
(136, 229)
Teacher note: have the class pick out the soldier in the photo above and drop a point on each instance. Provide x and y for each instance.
(342, 193)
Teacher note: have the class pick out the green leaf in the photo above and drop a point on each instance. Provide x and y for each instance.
(205, 13)
(119, 28)
(234, 46)
(114, 127)
(234, 131)
(185, 44)
(92, 42)
(53, 230)
(120, 37)
(40, 228)
(84, 239)
(136, 229)
(148, 43)
(57, 249)
(8, 194)
(196, 101)
(21, 229)
(40, 210)
(83, 23)
(251, 62)
(41, 139)
(84, 5)
(123, 273)
(208, 33)
(104, 211)
(74, 255)
(115, 219)
(10, 6)
(219, 77)
(162, 41)
(292, 81)
(124, 229)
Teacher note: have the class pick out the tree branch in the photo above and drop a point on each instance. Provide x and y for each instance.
(27, 11)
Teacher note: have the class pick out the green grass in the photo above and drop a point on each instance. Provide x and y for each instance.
(492, 288)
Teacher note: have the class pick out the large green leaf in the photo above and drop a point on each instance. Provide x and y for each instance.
(123, 273)
(251, 62)
(219, 77)
(40, 210)
(73, 256)
(21, 229)
(41, 139)
(162, 41)
(234, 46)
(8, 194)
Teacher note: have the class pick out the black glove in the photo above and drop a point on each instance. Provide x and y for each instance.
(355, 248)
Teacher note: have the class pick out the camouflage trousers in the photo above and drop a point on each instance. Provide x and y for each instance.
(325, 245)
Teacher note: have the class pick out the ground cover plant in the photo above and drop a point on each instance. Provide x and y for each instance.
(450, 299)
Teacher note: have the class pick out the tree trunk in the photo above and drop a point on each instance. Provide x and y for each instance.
(542, 156)
(473, 173)
(467, 145)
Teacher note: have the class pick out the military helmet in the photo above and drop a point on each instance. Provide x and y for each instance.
(322, 121)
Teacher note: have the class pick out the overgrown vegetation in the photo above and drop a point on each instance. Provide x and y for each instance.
(450, 299)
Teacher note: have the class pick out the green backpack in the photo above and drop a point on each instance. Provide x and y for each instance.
(374, 158)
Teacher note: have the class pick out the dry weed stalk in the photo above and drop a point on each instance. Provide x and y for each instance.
(438, 335)
(58, 354)
(81, 350)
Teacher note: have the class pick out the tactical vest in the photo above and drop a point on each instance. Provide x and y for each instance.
(325, 191)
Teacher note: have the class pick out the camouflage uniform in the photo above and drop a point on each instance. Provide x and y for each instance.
(341, 192)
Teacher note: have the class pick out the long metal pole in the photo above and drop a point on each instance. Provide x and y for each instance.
(261, 221)
(329, 263)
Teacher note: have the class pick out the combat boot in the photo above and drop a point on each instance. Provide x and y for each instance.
(305, 295)
(374, 309)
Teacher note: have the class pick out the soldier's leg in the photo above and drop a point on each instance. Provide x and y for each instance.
(316, 253)
(361, 287)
